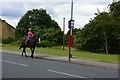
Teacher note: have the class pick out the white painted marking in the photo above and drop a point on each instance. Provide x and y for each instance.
(65, 74)
(23, 65)
(14, 63)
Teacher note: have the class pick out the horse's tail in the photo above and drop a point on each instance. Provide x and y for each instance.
(22, 42)
(20, 46)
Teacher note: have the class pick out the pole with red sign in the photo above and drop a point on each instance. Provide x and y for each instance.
(70, 40)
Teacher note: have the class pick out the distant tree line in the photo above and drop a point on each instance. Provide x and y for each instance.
(101, 34)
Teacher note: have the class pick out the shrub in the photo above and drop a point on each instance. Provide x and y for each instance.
(46, 43)
(8, 40)
(16, 43)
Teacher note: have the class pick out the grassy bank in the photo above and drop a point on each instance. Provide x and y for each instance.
(76, 54)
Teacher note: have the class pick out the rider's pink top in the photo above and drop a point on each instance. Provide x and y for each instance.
(30, 34)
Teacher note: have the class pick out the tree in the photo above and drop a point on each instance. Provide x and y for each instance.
(99, 35)
(77, 38)
(115, 11)
(41, 24)
(102, 33)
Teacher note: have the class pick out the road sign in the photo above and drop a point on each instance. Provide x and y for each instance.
(71, 24)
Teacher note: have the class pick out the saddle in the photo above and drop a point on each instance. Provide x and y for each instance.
(26, 41)
(30, 41)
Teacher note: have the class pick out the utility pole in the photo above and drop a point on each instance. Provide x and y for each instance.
(63, 31)
(72, 10)
(71, 25)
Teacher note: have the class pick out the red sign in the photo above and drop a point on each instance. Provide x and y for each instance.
(70, 41)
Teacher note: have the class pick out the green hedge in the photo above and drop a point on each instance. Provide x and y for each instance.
(46, 43)
(7, 41)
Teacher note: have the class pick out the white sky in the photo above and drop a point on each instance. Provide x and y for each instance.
(13, 10)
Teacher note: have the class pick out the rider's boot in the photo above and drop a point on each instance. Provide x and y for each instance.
(26, 41)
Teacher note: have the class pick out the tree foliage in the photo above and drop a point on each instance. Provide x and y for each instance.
(115, 10)
(101, 34)
(41, 24)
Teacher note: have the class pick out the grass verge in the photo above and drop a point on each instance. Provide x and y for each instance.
(57, 51)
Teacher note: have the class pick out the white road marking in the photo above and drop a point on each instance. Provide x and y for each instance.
(65, 74)
(14, 63)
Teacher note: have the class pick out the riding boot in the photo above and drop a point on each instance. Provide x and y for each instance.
(26, 41)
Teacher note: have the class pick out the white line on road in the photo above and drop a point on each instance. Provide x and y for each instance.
(65, 74)
(14, 63)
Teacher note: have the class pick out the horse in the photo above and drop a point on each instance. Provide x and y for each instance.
(30, 44)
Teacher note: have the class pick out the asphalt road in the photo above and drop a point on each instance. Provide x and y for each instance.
(14, 66)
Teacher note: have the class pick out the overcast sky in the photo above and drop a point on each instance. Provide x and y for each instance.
(13, 10)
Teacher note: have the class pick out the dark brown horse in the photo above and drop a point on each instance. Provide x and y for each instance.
(30, 44)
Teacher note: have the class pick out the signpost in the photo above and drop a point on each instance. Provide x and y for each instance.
(70, 39)
(70, 26)
(63, 31)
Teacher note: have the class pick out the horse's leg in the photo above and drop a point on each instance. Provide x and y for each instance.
(32, 52)
(24, 50)
(22, 53)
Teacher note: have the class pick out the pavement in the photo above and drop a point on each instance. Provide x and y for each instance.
(73, 60)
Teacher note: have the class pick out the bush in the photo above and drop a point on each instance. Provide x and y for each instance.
(8, 40)
(16, 43)
(46, 43)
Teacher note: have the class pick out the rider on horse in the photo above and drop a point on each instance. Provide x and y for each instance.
(30, 35)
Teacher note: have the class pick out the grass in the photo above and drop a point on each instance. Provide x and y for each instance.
(57, 51)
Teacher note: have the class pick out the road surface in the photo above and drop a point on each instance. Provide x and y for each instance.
(14, 66)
